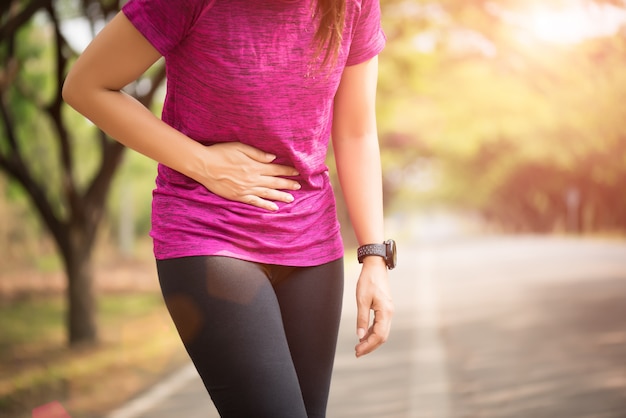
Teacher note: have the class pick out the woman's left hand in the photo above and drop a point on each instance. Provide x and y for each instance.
(373, 294)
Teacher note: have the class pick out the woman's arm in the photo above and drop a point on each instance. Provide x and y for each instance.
(357, 154)
(117, 57)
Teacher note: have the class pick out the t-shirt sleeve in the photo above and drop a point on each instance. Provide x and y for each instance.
(368, 39)
(164, 23)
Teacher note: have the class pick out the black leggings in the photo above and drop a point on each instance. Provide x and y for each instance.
(262, 337)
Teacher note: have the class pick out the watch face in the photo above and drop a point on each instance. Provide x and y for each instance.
(392, 256)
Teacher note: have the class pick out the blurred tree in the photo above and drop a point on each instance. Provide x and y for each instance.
(44, 149)
(512, 124)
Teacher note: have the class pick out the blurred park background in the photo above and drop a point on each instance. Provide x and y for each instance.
(496, 118)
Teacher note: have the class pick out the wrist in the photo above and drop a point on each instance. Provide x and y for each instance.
(385, 252)
(374, 261)
(198, 165)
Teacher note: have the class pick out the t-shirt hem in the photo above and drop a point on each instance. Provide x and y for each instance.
(299, 261)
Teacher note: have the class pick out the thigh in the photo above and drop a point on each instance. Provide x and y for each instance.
(310, 300)
(229, 320)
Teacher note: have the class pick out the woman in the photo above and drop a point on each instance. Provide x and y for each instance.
(246, 238)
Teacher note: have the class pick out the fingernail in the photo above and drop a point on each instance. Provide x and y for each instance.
(271, 157)
(290, 198)
(297, 186)
(360, 333)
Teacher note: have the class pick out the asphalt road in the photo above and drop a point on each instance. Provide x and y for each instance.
(502, 327)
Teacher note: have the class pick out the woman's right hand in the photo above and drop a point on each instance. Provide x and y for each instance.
(242, 173)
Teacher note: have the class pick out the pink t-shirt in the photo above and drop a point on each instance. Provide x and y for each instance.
(243, 70)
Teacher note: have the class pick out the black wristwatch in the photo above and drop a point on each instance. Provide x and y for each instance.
(386, 250)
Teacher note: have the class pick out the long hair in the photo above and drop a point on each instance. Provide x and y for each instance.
(331, 15)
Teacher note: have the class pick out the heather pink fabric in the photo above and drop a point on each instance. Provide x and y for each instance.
(243, 70)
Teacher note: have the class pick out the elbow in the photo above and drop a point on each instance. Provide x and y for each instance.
(76, 90)
(356, 139)
(69, 92)
(359, 132)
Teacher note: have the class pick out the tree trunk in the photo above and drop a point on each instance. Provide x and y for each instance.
(81, 313)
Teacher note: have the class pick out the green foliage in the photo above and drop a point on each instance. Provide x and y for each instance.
(33, 87)
(31, 90)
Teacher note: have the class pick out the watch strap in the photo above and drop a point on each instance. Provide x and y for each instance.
(371, 249)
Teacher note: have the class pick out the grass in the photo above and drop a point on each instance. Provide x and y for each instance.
(38, 320)
(120, 308)
(138, 344)
(25, 322)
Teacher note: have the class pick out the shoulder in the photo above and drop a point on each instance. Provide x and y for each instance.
(358, 10)
(187, 10)
(358, 5)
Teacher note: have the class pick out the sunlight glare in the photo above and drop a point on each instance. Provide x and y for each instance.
(573, 24)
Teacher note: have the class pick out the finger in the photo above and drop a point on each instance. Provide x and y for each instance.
(279, 170)
(376, 335)
(369, 343)
(255, 153)
(273, 195)
(362, 319)
(260, 203)
(366, 346)
(266, 158)
(279, 183)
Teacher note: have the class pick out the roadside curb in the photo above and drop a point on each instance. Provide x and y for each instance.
(156, 394)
